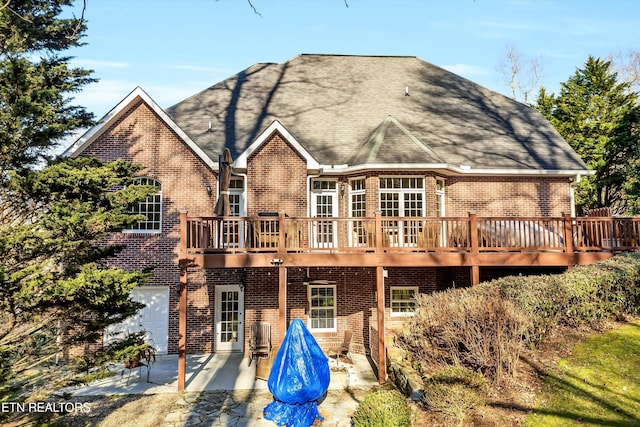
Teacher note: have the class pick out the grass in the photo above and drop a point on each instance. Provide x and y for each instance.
(598, 385)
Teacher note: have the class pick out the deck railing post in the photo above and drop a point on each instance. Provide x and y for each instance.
(378, 216)
(473, 238)
(568, 232)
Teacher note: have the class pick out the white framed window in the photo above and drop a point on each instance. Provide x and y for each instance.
(324, 204)
(320, 185)
(440, 197)
(233, 231)
(322, 308)
(402, 197)
(151, 207)
(358, 205)
(236, 196)
(358, 209)
(403, 300)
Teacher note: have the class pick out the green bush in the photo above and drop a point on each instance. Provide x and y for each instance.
(541, 298)
(587, 295)
(383, 408)
(455, 391)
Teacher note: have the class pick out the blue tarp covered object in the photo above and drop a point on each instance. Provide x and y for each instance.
(299, 377)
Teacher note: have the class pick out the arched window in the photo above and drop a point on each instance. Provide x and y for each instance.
(151, 207)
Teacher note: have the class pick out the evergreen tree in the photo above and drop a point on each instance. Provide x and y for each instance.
(36, 81)
(592, 113)
(55, 288)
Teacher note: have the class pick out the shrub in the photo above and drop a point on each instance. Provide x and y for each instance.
(475, 328)
(383, 408)
(604, 290)
(541, 298)
(485, 328)
(584, 296)
(455, 391)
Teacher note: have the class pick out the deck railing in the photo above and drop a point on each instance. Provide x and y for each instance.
(409, 234)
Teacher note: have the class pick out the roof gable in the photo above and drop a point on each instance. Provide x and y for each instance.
(119, 110)
(241, 161)
(391, 142)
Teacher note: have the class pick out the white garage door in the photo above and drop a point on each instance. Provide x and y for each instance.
(154, 318)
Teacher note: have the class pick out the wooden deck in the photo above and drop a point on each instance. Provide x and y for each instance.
(215, 242)
(380, 242)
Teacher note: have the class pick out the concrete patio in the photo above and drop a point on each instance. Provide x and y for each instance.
(216, 372)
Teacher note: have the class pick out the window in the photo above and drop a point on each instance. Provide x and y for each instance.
(402, 197)
(322, 307)
(233, 231)
(151, 208)
(236, 193)
(403, 300)
(358, 200)
(320, 185)
(324, 204)
(440, 197)
(358, 209)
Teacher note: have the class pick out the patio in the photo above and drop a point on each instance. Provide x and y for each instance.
(216, 372)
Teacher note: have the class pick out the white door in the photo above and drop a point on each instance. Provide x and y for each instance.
(153, 318)
(229, 318)
(324, 204)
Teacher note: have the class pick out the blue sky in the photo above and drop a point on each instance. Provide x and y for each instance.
(175, 48)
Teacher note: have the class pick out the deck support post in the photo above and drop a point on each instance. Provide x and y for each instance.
(282, 276)
(382, 353)
(182, 322)
(282, 300)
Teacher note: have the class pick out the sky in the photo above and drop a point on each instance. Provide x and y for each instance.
(175, 48)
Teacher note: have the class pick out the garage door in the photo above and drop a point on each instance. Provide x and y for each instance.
(154, 318)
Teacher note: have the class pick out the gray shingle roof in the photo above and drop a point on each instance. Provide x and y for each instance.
(356, 109)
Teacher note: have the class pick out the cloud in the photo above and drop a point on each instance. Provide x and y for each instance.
(98, 64)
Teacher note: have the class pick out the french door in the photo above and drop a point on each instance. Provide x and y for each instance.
(229, 318)
(324, 204)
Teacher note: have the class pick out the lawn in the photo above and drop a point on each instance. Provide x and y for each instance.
(597, 385)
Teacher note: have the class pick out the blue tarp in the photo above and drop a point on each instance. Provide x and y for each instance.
(299, 377)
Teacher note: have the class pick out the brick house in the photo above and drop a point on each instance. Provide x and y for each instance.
(353, 179)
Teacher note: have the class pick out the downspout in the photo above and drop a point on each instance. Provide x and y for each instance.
(572, 194)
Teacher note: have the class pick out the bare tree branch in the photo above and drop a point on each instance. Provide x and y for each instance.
(521, 75)
(254, 9)
(627, 65)
(78, 27)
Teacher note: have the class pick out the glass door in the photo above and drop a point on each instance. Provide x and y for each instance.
(229, 318)
(324, 204)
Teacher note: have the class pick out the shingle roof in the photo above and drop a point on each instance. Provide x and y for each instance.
(372, 109)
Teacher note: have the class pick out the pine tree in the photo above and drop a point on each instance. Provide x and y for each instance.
(36, 81)
(56, 290)
(591, 113)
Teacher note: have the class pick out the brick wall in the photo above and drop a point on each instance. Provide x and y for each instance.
(488, 196)
(506, 196)
(277, 179)
(355, 296)
(141, 137)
